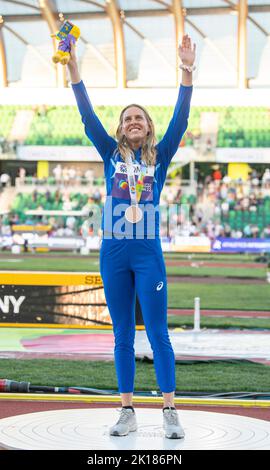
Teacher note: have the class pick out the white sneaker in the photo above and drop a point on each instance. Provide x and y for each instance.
(126, 423)
(171, 424)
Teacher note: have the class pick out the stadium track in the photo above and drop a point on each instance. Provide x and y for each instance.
(215, 279)
(215, 264)
(222, 313)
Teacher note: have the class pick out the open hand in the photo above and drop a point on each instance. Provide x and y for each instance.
(186, 52)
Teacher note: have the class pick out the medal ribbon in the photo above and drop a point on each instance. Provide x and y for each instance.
(135, 189)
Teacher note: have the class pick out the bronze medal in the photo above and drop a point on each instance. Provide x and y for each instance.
(133, 214)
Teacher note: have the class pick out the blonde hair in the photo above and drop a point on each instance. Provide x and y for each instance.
(149, 152)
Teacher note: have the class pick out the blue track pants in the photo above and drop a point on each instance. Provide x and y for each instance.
(127, 267)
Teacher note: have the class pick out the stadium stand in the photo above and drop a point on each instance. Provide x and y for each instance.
(59, 200)
(222, 207)
(237, 126)
(7, 116)
(232, 208)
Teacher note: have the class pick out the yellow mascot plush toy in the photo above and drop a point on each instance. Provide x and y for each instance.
(69, 33)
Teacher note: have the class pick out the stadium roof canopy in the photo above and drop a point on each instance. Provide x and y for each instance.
(133, 43)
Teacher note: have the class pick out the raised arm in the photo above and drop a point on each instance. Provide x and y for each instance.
(94, 130)
(169, 144)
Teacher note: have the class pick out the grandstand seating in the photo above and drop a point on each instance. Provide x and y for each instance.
(244, 127)
(240, 219)
(247, 221)
(7, 115)
(61, 125)
(51, 200)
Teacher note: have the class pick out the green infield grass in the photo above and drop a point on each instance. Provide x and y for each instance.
(213, 295)
(91, 263)
(216, 272)
(220, 296)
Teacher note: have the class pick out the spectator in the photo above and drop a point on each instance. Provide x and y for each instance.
(22, 175)
(255, 231)
(96, 196)
(227, 231)
(218, 230)
(67, 204)
(217, 175)
(266, 232)
(266, 177)
(25, 245)
(71, 222)
(57, 173)
(5, 180)
(72, 175)
(89, 174)
(247, 231)
(226, 179)
(209, 145)
(65, 175)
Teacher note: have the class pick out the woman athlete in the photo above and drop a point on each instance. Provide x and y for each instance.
(131, 258)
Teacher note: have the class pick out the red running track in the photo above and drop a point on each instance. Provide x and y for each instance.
(215, 264)
(14, 408)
